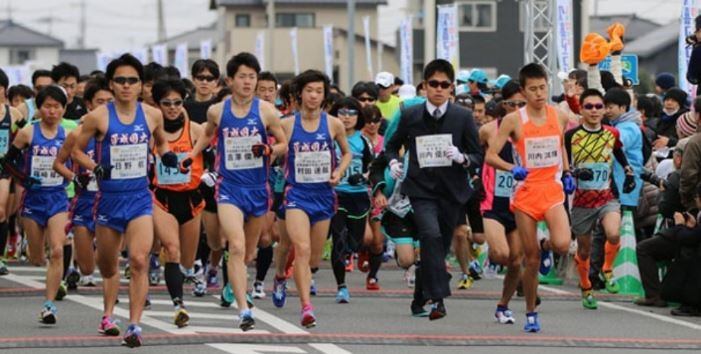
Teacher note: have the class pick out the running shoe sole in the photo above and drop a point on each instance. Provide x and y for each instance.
(182, 319)
(132, 341)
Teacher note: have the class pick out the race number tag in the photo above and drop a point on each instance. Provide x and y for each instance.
(355, 167)
(313, 166)
(239, 156)
(430, 150)
(601, 171)
(128, 161)
(43, 169)
(504, 184)
(4, 141)
(169, 175)
(542, 152)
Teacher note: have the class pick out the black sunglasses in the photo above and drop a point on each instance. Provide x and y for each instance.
(590, 106)
(519, 104)
(168, 103)
(121, 80)
(442, 84)
(366, 99)
(373, 120)
(207, 78)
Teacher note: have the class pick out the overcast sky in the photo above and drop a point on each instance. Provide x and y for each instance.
(130, 24)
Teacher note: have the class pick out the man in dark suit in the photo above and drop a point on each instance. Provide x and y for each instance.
(442, 143)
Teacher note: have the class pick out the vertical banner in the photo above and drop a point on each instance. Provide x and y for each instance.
(565, 35)
(380, 47)
(180, 61)
(447, 35)
(260, 49)
(406, 62)
(328, 51)
(686, 28)
(295, 54)
(206, 49)
(141, 54)
(368, 48)
(103, 59)
(19, 74)
(159, 53)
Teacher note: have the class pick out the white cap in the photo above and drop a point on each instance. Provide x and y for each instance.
(407, 91)
(384, 79)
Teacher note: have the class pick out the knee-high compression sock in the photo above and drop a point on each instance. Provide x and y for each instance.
(583, 270)
(610, 253)
(4, 232)
(375, 263)
(263, 262)
(174, 281)
(67, 258)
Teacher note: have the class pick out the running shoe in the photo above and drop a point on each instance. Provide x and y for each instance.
(611, 284)
(258, 290)
(181, 318)
(475, 270)
(212, 279)
(308, 318)
(363, 261)
(48, 313)
(372, 284)
(3, 268)
(227, 296)
(492, 270)
(546, 262)
(200, 288)
(389, 251)
(312, 288)
(147, 302)
(343, 296)
(410, 276)
(588, 300)
(87, 280)
(132, 338)
(279, 292)
(246, 321)
(504, 316)
(465, 282)
(61, 292)
(532, 323)
(438, 311)
(108, 327)
(418, 310)
(72, 279)
(349, 263)
(12, 246)
(154, 273)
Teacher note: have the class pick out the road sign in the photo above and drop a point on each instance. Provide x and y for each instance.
(629, 66)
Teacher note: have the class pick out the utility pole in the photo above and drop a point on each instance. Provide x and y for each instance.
(269, 47)
(9, 10)
(429, 30)
(351, 42)
(161, 22)
(83, 24)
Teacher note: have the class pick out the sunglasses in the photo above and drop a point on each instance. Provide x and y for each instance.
(442, 84)
(366, 99)
(374, 121)
(207, 78)
(590, 106)
(121, 80)
(168, 103)
(519, 104)
(347, 112)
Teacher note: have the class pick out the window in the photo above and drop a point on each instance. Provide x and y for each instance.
(19, 56)
(243, 20)
(540, 24)
(294, 20)
(477, 16)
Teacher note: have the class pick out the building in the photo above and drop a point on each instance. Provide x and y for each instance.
(20, 44)
(657, 50)
(193, 39)
(84, 59)
(240, 22)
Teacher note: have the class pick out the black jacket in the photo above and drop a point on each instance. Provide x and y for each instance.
(436, 182)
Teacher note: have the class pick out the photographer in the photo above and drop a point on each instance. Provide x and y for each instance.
(670, 201)
(693, 73)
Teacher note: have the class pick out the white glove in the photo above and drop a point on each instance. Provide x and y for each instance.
(396, 169)
(209, 179)
(454, 154)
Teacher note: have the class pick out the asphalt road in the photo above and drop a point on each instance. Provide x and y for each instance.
(374, 322)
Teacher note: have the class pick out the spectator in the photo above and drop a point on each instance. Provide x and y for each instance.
(691, 165)
(664, 82)
(674, 105)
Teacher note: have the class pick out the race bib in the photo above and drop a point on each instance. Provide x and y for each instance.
(355, 167)
(128, 161)
(238, 154)
(169, 175)
(313, 166)
(542, 152)
(601, 171)
(430, 150)
(4, 141)
(504, 184)
(43, 169)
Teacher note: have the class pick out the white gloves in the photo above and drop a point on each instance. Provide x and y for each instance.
(396, 169)
(454, 154)
(209, 179)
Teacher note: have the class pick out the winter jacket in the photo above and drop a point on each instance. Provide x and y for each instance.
(628, 125)
(690, 171)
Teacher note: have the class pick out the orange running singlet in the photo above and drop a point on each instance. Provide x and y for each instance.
(170, 178)
(540, 151)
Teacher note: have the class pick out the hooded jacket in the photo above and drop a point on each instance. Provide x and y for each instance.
(628, 125)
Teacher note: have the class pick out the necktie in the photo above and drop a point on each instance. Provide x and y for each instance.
(437, 114)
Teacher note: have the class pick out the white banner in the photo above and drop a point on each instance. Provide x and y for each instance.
(380, 47)
(564, 35)
(447, 35)
(407, 51)
(181, 59)
(141, 54)
(328, 51)
(18, 74)
(295, 55)
(260, 49)
(103, 59)
(368, 48)
(206, 49)
(159, 53)
(686, 28)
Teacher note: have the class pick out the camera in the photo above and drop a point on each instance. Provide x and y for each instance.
(691, 39)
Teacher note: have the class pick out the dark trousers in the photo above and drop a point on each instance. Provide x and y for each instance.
(435, 220)
(649, 252)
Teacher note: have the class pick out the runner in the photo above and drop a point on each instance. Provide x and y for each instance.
(41, 79)
(177, 197)
(122, 130)
(66, 75)
(536, 131)
(590, 148)
(242, 125)
(311, 175)
(44, 202)
(348, 225)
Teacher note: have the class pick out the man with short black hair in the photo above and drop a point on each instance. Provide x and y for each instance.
(66, 75)
(205, 76)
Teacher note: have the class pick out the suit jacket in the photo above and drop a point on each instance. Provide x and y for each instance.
(437, 182)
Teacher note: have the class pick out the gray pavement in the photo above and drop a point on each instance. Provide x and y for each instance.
(371, 323)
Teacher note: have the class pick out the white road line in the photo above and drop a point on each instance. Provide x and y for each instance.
(255, 349)
(211, 316)
(272, 320)
(226, 330)
(97, 279)
(329, 348)
(189, 303)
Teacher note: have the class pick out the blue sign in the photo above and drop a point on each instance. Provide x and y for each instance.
(629, 66)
